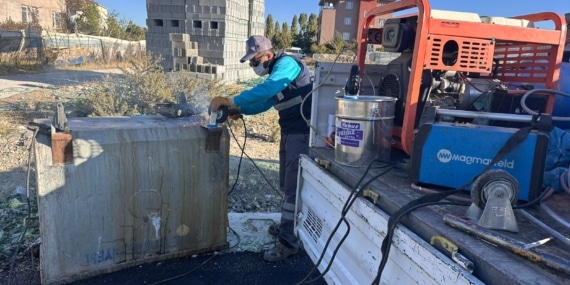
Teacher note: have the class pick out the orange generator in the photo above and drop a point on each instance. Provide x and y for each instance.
(461, 62)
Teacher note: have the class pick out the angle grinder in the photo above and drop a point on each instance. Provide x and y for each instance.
(221, 115)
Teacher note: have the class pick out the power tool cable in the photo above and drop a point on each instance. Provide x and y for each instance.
(29, 204)
(242, 148)
(348, 203)
(516, 139)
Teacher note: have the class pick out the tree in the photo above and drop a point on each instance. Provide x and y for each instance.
(72, 6)
(337, 43)
(115, 27)
(90, 21)
(134, 32)
(276, 35)
(269, 27)
(286, 39)
(301, 33)
(294, 28)
(312, 29)
(302, 23)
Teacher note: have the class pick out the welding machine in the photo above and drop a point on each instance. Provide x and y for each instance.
(451, 154)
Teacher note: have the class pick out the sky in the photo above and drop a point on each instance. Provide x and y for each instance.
(282, 11)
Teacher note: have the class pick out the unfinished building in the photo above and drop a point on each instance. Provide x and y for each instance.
(205, 37)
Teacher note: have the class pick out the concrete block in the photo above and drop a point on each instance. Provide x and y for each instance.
(192, 52)
(178, 44)
(218, 69)
(196, 59)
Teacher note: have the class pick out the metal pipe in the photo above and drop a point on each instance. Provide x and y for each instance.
(506, 242)
(485, 115)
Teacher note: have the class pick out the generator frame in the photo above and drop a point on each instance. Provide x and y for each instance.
(525, 54)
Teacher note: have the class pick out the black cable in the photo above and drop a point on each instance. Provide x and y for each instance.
(343, 217)
(349, 201)
(185, 273)
(29, 212)
(514, 140)
(533, 202)
(253, 162)
(392, 223)
(241, 155)
(238, 238)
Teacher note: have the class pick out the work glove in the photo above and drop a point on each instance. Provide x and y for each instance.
(219, 101)
(234, 113)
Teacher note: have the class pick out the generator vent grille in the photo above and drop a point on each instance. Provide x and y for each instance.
(313, 224)
(460, 54)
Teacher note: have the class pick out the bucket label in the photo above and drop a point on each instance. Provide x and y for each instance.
(349, 133)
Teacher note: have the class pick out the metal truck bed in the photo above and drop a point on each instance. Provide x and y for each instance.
(493, 265)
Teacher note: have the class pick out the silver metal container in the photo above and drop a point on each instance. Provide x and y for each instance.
(134, 190)
(363, 129)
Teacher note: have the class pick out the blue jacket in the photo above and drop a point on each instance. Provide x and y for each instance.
(288, 78)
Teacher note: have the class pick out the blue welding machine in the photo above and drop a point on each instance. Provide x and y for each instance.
(450, 155)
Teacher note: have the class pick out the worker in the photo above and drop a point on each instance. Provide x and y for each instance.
(288, 84)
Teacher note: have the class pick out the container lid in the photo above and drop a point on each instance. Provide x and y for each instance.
(368, 98)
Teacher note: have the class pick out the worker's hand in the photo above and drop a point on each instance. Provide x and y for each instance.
(219, 101)
(234, 113)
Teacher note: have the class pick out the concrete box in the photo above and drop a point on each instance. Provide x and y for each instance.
(126, 191)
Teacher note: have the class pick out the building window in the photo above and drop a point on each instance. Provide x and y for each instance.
(158, 23)
(381, 23)
(55, 20)
(346, 36)
(347, 20)
(349, 5)
(175, 23)
(25, 14)
(197, 24)
(214, 25)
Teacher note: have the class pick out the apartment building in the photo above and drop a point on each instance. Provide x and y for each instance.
(48, 12)
(343, 16)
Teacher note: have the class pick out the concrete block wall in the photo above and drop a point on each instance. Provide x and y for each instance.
(204, 36)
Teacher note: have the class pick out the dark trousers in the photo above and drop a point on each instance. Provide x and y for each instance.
(292, 145)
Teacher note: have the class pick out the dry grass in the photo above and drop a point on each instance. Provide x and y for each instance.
(143, 86)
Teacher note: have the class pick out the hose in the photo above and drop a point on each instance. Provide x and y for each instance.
(531, 112)
(565, 181)
(432, 191)
(554, 215)
(550, 230)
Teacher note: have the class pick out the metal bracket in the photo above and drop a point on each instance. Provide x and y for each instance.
(453, 250)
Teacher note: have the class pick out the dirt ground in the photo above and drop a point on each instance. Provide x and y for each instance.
(254, 191)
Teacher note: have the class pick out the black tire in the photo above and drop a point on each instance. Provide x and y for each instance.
(478, 194)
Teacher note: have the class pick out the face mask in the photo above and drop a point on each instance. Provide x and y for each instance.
(261, 69)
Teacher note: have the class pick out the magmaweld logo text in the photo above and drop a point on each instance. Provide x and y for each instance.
(445, 156)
